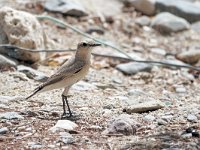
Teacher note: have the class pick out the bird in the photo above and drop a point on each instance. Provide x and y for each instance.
(68, 74)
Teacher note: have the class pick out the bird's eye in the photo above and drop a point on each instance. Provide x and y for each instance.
(84, 44)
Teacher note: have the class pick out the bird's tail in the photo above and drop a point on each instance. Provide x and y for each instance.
(34, 92)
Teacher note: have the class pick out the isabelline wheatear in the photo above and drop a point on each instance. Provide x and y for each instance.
(69, 73)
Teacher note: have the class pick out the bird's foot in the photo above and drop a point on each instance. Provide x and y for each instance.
(68, 116)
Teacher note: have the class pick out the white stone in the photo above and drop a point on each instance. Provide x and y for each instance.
(64, 124)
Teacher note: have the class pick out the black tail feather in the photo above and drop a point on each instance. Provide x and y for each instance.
(35, 91)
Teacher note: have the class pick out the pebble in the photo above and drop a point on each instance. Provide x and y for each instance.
(143, 21)
(33, 145)
(192, 118)
(10, 115)
(67, 7)
(149, 117)
(186, 136)
(123, 124)
(136, 92)
(83, 86)
(144, 107)
(162, 122)
(132, 68)
(66, 138)
(3, 130)
(180, 89)
(64, 124)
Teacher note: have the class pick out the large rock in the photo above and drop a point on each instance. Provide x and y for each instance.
(20, 29)
(147, 7)
(185, 9)
(166, 23)
(68, 7)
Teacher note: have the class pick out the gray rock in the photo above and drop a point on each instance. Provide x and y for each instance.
(158, 51)
(3, 130)
(6, 62)
(192, 118)
(149, 117)
(10, 115)
(136, 92)
(196, 26)
(147, 7)
(186, 136)
(133, 68)
(33, 145)
(143, 21)
(68, 7)
(166, 23)
(173, 62)
(162, 122)
(66, 138)
(8, 99)
(116, 80)
(32, 73)
(83, 86)
(180, 89)
(144, 107)
(21, 29)
(64, 124)
(185, 9)
(122, 124)
(95, 29)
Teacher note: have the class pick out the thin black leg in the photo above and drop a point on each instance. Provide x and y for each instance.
(64, 110)
(70, 113)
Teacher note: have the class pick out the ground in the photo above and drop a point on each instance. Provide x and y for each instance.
(105, 98)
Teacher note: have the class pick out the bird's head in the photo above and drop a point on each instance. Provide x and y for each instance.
(87, 45)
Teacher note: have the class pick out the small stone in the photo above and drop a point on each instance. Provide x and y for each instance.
(95, 29)
(10, 115)
(144, 107)
(180, 89)
(143, 21)
(33, 145)
(32, 73)
(192, 118)
(3, 130)
(83, 86)
(158, 51)
(162, 122)
(8, 99)
(166, 23)
(187, 135)
(67, 7)
(64, 124)
(117, 80)
(149, 117)
(133, 68)
(122, 124)
(107, 112)
(147, 7)
(196, 27)
(136, 92)
(66, 138)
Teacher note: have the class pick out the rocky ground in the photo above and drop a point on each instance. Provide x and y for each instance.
(121, 105)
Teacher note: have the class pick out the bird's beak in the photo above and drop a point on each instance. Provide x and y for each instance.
(95, 44)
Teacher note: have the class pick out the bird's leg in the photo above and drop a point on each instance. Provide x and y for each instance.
(64, 110)
(65, 101)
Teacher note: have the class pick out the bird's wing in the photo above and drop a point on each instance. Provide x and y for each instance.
(63, 73)
(66, 70)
